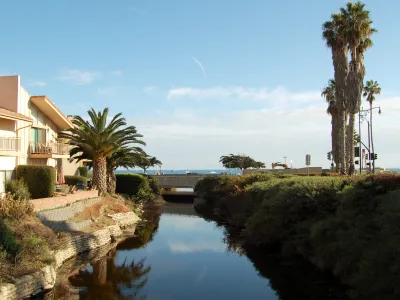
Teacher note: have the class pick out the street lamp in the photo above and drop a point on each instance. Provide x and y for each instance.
(362, 116)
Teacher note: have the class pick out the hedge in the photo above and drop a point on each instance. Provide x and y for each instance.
(41, 180)
(83, 171)
(134, 185)
(74, 180)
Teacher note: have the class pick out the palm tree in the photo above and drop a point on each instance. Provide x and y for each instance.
(98, 140)
(371, 89)
(356, 28)
(329, 94)
(336, 42)
(126, 157)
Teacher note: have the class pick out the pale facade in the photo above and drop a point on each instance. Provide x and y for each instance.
(29, 127)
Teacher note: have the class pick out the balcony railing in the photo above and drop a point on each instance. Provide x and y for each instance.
(49, 148)
(10, 143)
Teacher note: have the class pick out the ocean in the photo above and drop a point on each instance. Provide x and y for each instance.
(210, 172)
(171, 172)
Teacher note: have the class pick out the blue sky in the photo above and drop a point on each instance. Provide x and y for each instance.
(264, 67)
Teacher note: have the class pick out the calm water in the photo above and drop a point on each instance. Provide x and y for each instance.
(179, 255)
(185, 259)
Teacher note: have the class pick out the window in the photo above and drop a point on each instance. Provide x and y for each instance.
(38, 135)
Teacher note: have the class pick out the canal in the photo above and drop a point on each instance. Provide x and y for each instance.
(179, 255)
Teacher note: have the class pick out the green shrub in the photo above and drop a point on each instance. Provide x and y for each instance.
(7, 240)
(34, 248)
(83, 171)
(41, 180)
(154, 185)
(134, 185)
(18, 189)
(74, 180)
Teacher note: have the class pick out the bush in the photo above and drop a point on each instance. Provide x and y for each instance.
(14, 209)
(83, 171)
(134, 185)
(74, 180)
(41, 180)
(154, 185)
(18, 189)
(8, 242)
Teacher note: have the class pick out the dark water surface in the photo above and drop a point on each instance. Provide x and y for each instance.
(179, 255)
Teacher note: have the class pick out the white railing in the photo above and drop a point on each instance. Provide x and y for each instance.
(10, 143)
(49, 148)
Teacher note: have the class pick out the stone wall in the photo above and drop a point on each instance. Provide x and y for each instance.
(45, 279)
(54, 202)
(56, 218)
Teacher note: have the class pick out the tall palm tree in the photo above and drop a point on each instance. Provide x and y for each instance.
(329, 94)
(98, 140)
(356, 28)
(371, 89)
(336, 42)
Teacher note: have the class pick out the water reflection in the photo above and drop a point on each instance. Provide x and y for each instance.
(186, 258)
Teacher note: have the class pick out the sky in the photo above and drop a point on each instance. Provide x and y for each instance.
(201, 79)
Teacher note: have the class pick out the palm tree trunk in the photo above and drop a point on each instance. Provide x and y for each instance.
(99, 174)
(372, 140)
(340, 63)
(100, 271)
(111, 180)
(350, 144)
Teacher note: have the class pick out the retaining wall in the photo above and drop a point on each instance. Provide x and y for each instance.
(60, 201)
(45, 279)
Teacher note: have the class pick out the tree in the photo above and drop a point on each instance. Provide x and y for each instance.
(371, 89)
(241, 162)
(348, 30)
(336, 42)
(147, 161)
(357, 30)
(98, 140)
(329, 94)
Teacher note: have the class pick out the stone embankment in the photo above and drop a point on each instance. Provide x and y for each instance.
(45, 279)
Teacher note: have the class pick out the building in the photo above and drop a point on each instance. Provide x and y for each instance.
(29, 127)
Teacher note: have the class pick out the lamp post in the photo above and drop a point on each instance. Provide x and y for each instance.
(362, 115)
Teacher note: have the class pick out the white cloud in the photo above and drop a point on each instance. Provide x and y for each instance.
(200, 65)
(197, 246)
(37, 83)
(289, 124)
(149, 89)
(78, 77)
(279, 95)
(107, 91)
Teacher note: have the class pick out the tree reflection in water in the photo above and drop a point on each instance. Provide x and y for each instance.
(107, 280)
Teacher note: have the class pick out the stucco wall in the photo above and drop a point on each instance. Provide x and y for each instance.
(9, 87)
(7, 127)
(70, 168)
(7, 163)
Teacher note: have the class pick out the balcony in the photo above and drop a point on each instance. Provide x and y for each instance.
(9, 146)
(48, 150)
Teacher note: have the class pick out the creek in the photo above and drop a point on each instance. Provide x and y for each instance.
(177, 254)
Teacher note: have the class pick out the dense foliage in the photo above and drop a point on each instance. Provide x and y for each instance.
(18, 189)
(41, 180)
(74, 180)
(83, 171)
(136, 186)
(345, 225)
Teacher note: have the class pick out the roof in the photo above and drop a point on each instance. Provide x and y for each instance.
(52, 111)
(8, 114)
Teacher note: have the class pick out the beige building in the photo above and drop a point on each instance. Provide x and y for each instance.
(29, 127)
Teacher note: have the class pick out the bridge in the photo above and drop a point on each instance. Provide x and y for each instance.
(178, 181)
